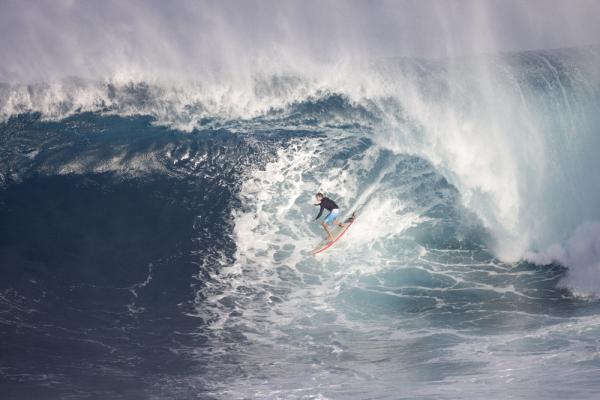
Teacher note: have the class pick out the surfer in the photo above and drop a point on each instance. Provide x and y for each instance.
(332, 217)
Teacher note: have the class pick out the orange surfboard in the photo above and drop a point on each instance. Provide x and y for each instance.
(337, 233)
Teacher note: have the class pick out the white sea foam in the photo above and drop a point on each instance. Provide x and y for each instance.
(581, 254)
(274, 234)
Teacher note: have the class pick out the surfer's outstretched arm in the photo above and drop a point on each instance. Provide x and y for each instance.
(320, 211)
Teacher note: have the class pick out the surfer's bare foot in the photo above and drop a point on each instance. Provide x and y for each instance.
(330, 238)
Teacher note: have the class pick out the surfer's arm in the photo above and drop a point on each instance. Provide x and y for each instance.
(320, 211)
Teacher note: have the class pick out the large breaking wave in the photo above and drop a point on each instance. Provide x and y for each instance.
(515, 133)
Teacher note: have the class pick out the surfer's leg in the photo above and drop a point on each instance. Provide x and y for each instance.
(329, 237)
(333, 218)
(329, 220)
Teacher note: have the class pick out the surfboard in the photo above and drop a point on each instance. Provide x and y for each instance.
(337, 233)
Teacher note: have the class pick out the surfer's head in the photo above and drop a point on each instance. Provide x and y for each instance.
(319, 196)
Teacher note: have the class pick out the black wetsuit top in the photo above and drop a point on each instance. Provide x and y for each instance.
(326, 203)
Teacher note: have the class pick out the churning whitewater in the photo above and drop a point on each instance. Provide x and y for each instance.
(156, 228)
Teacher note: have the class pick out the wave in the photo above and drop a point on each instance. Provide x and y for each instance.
(184, 105)
(515, 133)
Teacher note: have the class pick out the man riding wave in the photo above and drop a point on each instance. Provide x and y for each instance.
(332, 218)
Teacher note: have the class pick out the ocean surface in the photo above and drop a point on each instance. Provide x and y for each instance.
(155, 237)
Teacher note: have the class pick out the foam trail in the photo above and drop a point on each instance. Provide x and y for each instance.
(369, 191)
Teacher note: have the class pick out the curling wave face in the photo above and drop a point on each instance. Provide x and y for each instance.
(412, 296)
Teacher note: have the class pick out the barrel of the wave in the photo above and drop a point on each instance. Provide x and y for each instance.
(337, 233)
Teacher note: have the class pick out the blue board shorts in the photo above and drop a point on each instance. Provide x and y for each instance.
(332, 215)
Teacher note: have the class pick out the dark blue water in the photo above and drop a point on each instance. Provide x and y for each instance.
(99, 268)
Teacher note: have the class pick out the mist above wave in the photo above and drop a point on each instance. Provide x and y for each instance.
(42, 41)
